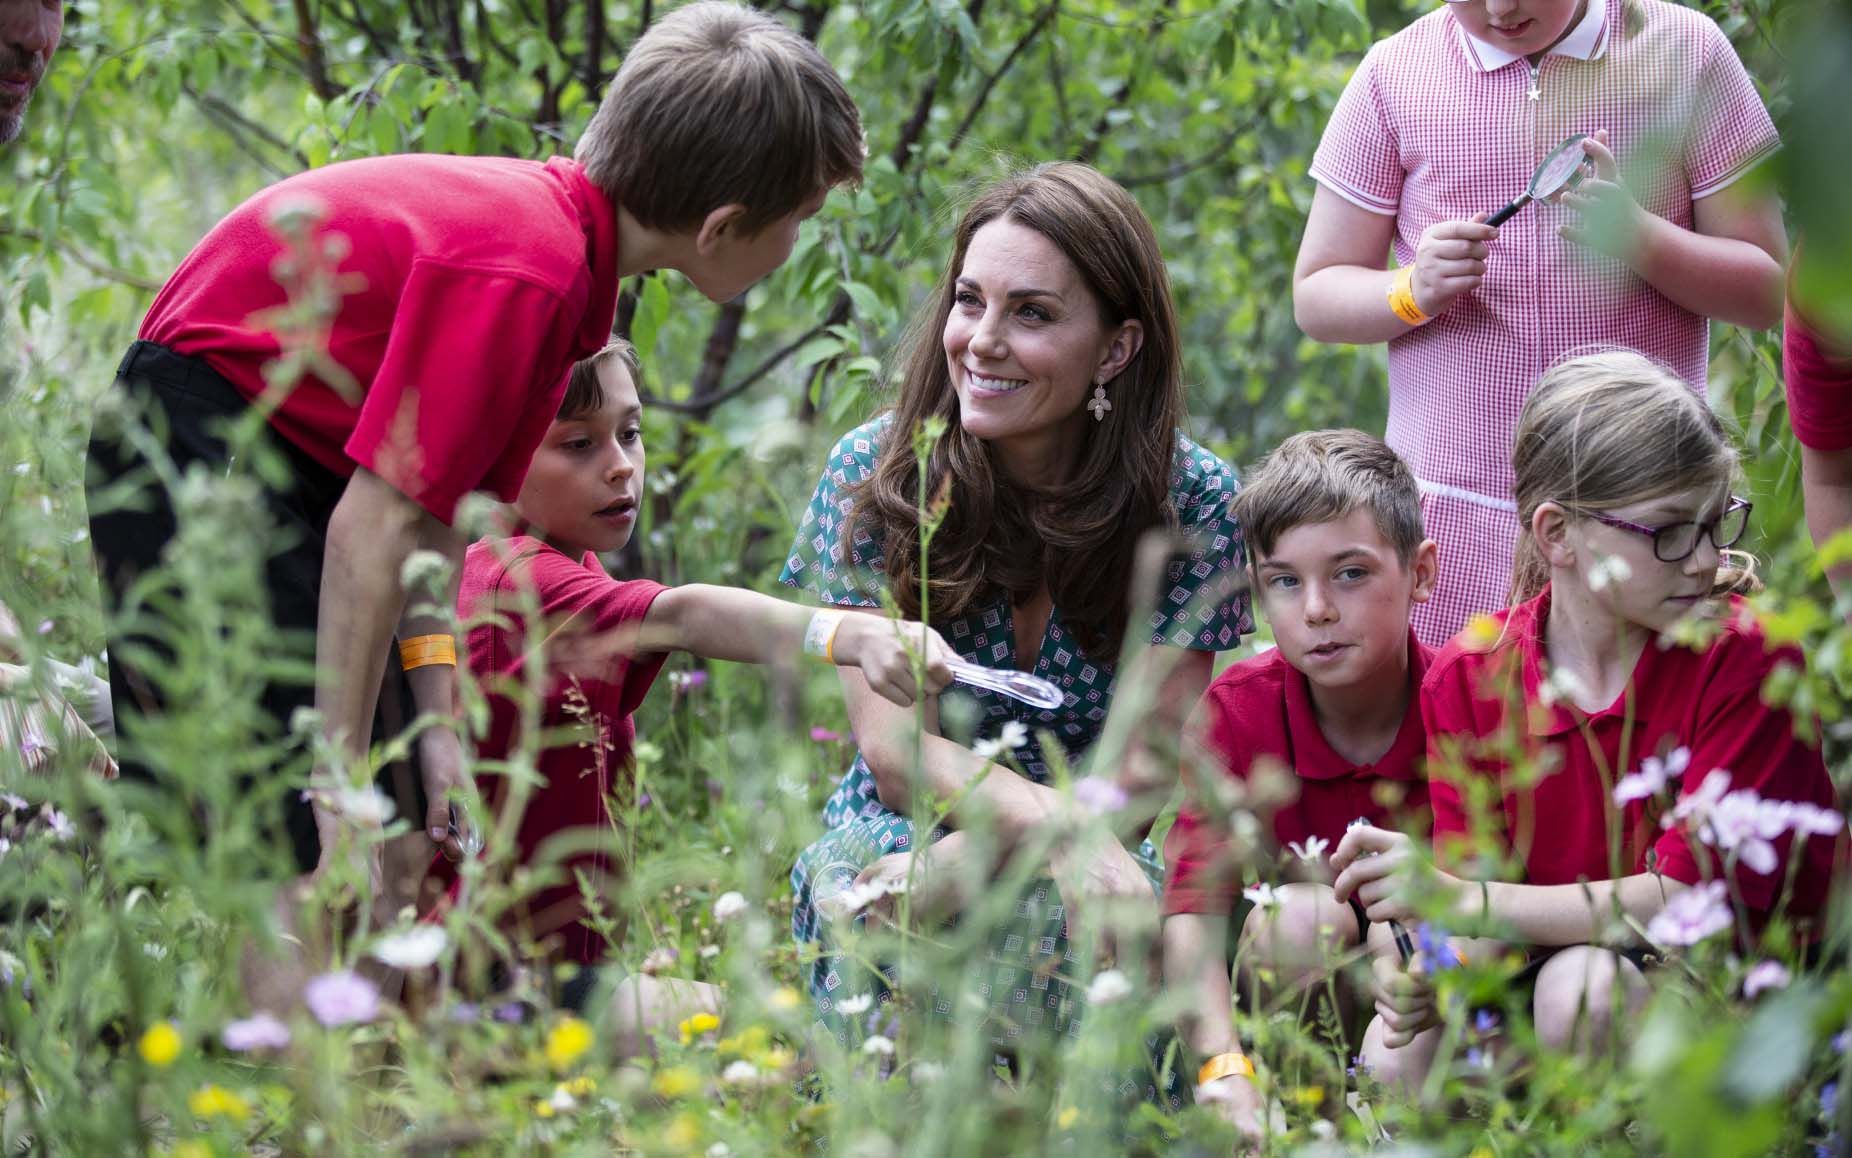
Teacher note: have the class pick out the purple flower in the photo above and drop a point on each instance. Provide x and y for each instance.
(824, 736)
(259, 1031)
(1829, 1100)
(465, 1012)
(1691, 916)
(644, 800)
(342, 998)
(1765, 975)
(511, 1012)
(1485, 1023)
(1434, 947)
(1099, 795)
(1357, 1067)
(1839, 1041)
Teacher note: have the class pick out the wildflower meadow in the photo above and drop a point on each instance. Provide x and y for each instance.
(127, 1018)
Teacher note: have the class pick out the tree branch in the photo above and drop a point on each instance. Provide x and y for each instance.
(1097, 136)
(1184, 168)
(1042, 20)
(591, 71)
(86, 259)
(315, 61)
(703, 405)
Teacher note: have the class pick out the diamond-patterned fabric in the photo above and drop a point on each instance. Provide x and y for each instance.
(1204, 609)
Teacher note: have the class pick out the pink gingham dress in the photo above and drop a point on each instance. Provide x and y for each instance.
(1436, 125)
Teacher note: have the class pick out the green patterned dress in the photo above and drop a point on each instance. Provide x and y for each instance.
(1020, 986)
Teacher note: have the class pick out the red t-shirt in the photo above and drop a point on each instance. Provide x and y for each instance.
(1262, 707)
(1819, 387)
(586, 714)
(476, 283)
(1708, 702)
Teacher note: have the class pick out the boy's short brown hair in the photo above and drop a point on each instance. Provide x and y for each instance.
(720, 105)
(584, 393)
(1321, 475)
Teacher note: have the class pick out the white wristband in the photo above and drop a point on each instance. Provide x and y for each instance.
(820, 636)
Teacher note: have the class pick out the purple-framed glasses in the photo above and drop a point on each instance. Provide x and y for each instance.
(1674, 542)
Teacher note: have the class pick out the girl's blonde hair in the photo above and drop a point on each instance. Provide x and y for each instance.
(1608, 429)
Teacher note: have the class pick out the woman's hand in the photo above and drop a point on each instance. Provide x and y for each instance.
(1377, 865)
(1104, 888)
(884, 649)
(1450, 261)
(939, 880)
(1240, 1103)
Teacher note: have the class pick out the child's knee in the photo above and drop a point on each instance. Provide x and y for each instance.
(1577, 993)
(1305, 934)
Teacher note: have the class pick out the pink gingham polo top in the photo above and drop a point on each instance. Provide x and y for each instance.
(1437, 125)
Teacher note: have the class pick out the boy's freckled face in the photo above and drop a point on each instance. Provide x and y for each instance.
(1338, 599)
(585, 484)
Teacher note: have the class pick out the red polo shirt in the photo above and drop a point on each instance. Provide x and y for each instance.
(1819, 384)
(1262, 707)
(473, 285)
(585, 718)
(1708, 701)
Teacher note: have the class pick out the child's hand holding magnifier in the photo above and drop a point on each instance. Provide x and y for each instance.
(1450, 261)
(1608, 219)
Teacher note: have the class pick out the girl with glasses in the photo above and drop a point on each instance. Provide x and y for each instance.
(1443, 123)
(1639, 779)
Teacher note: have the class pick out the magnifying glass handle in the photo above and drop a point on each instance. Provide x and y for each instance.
(1506, 214)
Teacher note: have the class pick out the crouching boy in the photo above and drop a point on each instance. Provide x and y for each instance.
(1338, 560)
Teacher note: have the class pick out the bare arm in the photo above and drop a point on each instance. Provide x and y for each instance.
(731, 623)
(1196, 970)
(1728, 266)
(1826, 492)
(1153, 754)
(372, 531)
(1573, 914)
(434, 686)
(1014, 804)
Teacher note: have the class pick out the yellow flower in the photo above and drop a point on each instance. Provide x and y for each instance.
(697, 1025)
(580, 1087)
(1481, 632)
(683, 1132)
(160, 1045)
(748, 1042)
(676, 1082)
(1066, 1118)
(1480, 1152)
(1308, 1096)
(191, 1148)
(567, 1042)
(218, 1102)
(776, 1058)
(784, 997)
(543, 1109)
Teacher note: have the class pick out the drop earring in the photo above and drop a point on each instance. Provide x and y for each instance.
(1099, 403)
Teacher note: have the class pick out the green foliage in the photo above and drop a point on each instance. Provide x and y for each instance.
(160, 116)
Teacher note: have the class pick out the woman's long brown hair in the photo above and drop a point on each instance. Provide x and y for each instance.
(999, 534)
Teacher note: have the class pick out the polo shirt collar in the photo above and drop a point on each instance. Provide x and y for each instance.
(1588, 40)
(1526, 627)
(598, 218)
(1313, 756)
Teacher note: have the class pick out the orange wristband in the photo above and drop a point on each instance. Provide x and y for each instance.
(1224, 1065)
(1402, 298)
(425, 650)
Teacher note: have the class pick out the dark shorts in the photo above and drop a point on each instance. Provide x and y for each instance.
(190, 405)
(1643, 957)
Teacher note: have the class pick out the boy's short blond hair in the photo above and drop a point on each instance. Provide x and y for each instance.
(1321, 475)
(720, 105)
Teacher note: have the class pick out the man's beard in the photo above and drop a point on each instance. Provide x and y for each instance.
(12, 123)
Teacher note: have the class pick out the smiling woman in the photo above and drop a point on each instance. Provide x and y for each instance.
(1055, 290)
(29, 32)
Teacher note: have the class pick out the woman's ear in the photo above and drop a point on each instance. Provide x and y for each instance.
(1549, 525)
(1121, 348)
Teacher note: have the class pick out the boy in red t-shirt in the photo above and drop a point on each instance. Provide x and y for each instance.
(605, 640)
(1338, 561)
(437, 303)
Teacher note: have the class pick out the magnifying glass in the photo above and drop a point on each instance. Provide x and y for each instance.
(1019, 685)
(1566, 167)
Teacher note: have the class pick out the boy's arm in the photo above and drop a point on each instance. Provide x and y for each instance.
(371, 532)
(1728, 266)
(731, 623)
(434, 686)
(1572, 914)
(1196, 970)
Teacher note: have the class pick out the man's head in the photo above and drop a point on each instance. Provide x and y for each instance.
(1333, 526)
(29, 32)
(725, 125)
